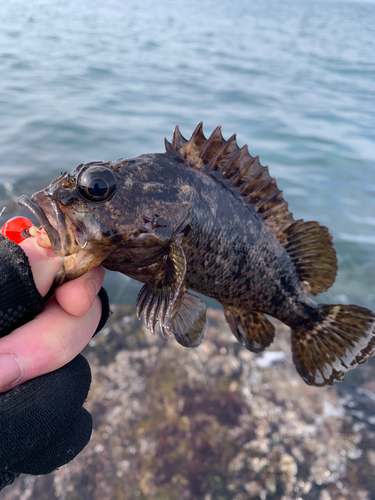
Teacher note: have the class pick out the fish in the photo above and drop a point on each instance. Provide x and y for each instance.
(206, 217)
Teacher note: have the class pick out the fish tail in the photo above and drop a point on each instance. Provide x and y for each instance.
(335, 340)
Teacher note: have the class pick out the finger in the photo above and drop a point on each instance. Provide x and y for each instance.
(77, 296)
(46, 343)
(44, 264)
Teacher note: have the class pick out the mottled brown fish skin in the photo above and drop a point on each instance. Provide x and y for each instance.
(231, 256)
(234, 258)
(206, 216)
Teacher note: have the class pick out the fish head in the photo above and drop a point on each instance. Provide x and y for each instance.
(75, 211)
(101, 208)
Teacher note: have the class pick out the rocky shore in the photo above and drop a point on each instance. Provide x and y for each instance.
(213, 423)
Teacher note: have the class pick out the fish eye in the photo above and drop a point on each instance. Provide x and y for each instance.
(96, 183)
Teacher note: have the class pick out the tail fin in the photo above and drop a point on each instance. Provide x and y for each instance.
(324, 349)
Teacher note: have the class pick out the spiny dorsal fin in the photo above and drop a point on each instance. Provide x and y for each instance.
(309, 245)
(189, 150)
(248, 177)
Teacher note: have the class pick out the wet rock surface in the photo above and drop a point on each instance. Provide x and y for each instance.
(213, 423)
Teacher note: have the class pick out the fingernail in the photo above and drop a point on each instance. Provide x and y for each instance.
(10, 370)
(92, 288)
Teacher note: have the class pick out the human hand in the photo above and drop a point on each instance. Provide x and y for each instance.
(43, 423)
(63, 328)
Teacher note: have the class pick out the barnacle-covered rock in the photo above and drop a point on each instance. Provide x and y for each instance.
(216, 423)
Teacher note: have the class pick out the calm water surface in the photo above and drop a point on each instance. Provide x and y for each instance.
(295, 80)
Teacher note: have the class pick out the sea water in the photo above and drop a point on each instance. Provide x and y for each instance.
(89, 80)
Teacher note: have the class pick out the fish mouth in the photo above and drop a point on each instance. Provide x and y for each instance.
(62, 234)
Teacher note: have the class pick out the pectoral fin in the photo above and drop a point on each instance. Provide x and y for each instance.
(250, 328)
(159, 298)
(164, 299)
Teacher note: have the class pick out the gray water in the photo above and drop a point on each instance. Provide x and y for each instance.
(89, 80)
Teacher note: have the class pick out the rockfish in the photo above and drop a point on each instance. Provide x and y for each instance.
(206, 216)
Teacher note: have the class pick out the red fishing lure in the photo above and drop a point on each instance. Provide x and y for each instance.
(17, 229)
(20, 228)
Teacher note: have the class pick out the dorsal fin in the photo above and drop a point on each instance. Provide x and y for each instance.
(248, 177)
(309, 245)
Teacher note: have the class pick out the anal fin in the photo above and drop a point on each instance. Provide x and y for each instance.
(189, 323)
(251, 328)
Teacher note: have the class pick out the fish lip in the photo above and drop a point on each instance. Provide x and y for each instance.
(41, 217)
(60, 244)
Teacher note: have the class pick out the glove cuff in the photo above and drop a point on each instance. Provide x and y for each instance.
(7, 478)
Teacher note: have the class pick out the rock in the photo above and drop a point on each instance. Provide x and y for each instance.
(213, 423)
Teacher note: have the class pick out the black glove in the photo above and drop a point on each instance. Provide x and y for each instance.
(42, 422)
